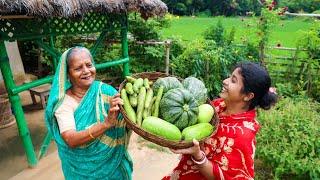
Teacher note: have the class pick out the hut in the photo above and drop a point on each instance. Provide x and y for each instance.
(25, 20)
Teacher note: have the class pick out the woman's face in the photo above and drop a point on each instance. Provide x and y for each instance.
(81, 70)
(232, 86)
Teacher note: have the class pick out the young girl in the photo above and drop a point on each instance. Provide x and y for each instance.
(229, 153)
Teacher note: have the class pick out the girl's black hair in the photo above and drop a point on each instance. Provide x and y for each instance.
(256, 79)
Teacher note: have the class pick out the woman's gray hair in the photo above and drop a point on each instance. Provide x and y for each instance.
(75, 50)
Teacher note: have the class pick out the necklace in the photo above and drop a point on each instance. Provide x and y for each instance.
(79, 97)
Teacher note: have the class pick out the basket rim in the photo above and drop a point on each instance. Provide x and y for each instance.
(152, 137)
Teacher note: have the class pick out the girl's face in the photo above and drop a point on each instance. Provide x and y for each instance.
(81, 70)
(232, 86)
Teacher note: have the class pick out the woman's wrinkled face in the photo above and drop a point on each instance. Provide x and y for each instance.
(232, 87)
(81, 73)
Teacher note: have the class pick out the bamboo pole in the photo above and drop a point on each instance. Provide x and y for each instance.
(124, 47)
(17, 107)
(301, 14)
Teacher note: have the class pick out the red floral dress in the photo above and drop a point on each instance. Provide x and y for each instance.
(230, 150)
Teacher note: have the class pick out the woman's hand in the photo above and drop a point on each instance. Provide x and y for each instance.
(111, 119)
(194, 151)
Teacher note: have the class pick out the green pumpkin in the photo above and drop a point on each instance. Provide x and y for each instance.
(167, 83)
(197, 88)
(179, 107)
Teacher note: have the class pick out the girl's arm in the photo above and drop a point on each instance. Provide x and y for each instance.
(205, 166)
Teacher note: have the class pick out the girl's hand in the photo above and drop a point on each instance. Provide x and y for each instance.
(194, 151)
(111, 119)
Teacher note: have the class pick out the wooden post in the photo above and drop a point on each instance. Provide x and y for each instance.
(167, 63)
(167, 45)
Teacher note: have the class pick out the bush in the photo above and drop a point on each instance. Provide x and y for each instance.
(289, 139)
(310, 41)
(211, 59)
(207, 61)
(144, 58)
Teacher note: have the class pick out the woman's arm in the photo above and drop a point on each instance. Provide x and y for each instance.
(76, 138)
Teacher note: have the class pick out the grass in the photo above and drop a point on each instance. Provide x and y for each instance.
(286, 32)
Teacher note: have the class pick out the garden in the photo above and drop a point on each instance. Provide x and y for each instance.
(207, 47)
(207, 42)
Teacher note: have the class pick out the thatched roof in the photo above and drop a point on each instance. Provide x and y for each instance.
(75, 8)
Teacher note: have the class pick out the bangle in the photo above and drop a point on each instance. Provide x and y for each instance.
(104, 125)
(92, 137)
(202, 160)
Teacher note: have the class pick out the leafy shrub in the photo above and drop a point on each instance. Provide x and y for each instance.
(206, 13)
(289, 139)
(301, 5)
(211, 59)
(310, 41)
(144, 58)
(207, 61)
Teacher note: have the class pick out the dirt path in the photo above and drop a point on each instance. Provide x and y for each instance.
(150, 161)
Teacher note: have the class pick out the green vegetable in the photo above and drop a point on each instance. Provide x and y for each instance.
(148, 98)
(196, 88)
(153, 104)
(127, 107)
(145, 114)
(147, 111)
(161, 128)
(205, 113)
(157, 102)
(140, 106)
(137, 84)
(146, 83)
(133, 100)
(179, 107)
(167, 83)
(198, 131)
(129, 88)
(130, 79)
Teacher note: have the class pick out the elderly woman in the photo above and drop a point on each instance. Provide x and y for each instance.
(83, 116)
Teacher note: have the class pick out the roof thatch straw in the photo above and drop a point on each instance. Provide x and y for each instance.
(76, 8)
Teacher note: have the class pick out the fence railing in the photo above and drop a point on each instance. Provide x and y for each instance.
(289, 65)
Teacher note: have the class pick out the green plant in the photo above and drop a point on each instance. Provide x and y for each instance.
(310, 67)
(216, 33)
(208, 62)
(288, 89)
(289, 139)
(267, 20)
(146, 57)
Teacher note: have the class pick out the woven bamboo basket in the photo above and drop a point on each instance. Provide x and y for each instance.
(153, 76)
